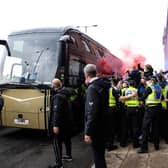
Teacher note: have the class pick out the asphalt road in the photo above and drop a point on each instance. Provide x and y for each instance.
(22, 148)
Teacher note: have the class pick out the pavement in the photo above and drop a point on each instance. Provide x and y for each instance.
(129, 158)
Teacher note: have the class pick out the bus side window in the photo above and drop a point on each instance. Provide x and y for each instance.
(86, 46)
(81, 74)
(101, 53)
(63, 54)
(74, 70)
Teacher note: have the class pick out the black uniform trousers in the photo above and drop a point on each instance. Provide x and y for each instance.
(123, 125)
(151, 118)
(133, 124)
(164, 124)
(112, 125)
(57, 146)
(98, 147)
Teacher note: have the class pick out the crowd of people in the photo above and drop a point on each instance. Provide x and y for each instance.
(128, 109)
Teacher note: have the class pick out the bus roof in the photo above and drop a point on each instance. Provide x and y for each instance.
(61, 30)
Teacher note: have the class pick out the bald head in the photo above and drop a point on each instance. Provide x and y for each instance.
(56, 83)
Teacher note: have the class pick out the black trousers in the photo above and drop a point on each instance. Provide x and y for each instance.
(62, 137)
(164, 124)
(123, 125)
(140, 117)
(112, 126)
(151, 118)
(98, 147)
(133, 122)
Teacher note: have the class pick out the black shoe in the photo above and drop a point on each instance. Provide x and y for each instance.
(136, 145)
(156, 147)
(55, 166)
(112, 147)
(166, 141)
(67, 158)
(123, 145)
(52, 166)
(142, 151)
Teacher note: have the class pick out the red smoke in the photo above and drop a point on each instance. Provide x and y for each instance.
(130, 59)
(110, 63)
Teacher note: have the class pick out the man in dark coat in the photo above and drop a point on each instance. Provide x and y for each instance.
(96, 108)
(61, 123)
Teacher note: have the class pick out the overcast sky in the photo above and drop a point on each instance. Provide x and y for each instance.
(138, 24)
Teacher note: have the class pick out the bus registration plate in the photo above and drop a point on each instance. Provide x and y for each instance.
(21, 121)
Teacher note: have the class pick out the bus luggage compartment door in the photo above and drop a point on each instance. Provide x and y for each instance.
(24, 108)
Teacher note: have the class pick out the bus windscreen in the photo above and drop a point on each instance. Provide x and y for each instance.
(34, 58)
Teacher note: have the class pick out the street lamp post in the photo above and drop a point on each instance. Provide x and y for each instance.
(86, 27)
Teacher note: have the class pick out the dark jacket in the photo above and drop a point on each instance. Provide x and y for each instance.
(60, 109)
(136, 76)
(147, 91)
(96, 108)
(148, 74)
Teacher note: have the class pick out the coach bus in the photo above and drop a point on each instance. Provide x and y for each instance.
(29, 62)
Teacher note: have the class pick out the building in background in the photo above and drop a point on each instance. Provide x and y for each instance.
(165, 43)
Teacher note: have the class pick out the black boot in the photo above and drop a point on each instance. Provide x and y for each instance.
(142, 150)
(112, 147)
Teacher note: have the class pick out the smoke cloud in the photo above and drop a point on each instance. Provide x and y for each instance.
(110, 63)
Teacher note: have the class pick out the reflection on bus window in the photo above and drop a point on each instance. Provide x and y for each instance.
(38, 54)
(86, 46)
(12, 68)
(74, 70)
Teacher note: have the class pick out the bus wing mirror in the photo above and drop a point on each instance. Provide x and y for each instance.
(5, 43)
(67, 38)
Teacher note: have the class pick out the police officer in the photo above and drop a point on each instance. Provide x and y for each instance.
(141, 90)
(113, 99)
(152, 97)
(164, 116)
(123, 121)
(132, 105)
(61, 123)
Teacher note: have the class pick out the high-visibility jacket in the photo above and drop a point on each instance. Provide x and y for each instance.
(131, 102)
(112, 100)
(154, 98)
(123, 91)
(164, 93)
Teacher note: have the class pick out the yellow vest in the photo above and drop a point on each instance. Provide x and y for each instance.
(132, 102)
(112, 100)
(155, 97)
(164, 93)
(123, 90)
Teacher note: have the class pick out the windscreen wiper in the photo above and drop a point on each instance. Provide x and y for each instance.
(38, 58)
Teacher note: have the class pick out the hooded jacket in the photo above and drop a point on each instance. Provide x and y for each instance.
(96, 108)
(60, 109)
